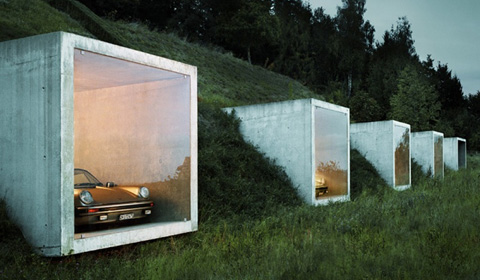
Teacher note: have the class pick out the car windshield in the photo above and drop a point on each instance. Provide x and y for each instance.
(83, 179)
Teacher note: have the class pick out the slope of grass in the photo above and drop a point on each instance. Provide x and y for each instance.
(222, 79)
(22, 18)
(235, 180)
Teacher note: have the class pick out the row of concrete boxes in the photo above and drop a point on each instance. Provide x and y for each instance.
(73, 102)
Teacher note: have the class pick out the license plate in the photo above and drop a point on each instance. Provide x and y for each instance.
(125, 216)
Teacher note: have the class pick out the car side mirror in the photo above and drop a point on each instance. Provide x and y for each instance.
(110, 184)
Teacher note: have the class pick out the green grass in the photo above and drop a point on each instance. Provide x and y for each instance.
(427, 232)
(22, 18)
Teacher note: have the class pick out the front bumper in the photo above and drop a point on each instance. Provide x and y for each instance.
(101, 214)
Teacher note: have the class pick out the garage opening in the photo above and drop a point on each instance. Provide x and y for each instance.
(462, 154)
(438, 155)
(401, 138)
(132, 135)
(331, 153)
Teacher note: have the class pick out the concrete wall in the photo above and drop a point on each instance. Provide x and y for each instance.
(31, 137)
(284, 131)
(426, 154)
(455, 152)
(377, 142)
(37, 141)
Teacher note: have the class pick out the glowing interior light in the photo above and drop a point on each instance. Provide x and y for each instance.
(320, 181)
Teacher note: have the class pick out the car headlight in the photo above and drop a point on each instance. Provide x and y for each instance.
(144, 192)
(86, 197)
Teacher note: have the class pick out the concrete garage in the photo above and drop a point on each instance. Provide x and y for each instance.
(309, 139)
(455, 152)
(127, 117)
(427, 150)
(386, 144)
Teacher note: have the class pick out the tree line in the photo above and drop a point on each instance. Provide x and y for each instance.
(336, 56)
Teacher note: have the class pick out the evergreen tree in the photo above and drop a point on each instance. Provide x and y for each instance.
(354, 41)
(416, 101)
(252, 25)
(293, 56)
(390, 58)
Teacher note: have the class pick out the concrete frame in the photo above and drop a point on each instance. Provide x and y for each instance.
(423, 151)
(36, 142)
(285, 132)
(455, 152)
(376, 142)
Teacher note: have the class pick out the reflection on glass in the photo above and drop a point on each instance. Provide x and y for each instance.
(132, 127)
(438, 155)
(331, 154)
(462, 157)
(401, 138)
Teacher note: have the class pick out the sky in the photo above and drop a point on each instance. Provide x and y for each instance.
(447, 30)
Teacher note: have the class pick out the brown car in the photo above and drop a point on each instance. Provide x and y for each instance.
(99, 204)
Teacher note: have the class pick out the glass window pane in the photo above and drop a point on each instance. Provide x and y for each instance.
(438, 155)
(462, 157)
(331, 153)
(401, 138)
(132, 127)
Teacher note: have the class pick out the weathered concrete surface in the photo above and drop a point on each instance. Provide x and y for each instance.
(455, 152)
(37, 141)
(377, 142)
(427, 150)
(284, 131)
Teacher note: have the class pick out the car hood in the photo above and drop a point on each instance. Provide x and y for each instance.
(103, 195)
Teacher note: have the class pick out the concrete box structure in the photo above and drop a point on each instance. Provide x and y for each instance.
(386, 144)
(427, 150)
(73, 102)
(309, 139)
(455, 152)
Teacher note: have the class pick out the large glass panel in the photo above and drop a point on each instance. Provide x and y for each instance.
(438, 155)
(401, 138)
(462, 157)
(132, 127)
(331, 153)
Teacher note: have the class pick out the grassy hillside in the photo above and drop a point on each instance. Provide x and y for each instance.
(223, 80)
(22, 18)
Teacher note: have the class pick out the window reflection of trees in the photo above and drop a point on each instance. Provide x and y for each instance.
(402, 160)
(438, 156)
(172, 195)
(330, 180)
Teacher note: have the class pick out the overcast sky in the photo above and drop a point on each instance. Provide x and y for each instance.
(448, 30)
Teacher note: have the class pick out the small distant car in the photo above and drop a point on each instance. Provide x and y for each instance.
(99, 204)
(320, 187)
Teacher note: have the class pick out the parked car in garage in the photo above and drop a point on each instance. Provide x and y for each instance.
(96, 203)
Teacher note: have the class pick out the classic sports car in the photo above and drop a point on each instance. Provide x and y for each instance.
(320, 187)
(98, 204)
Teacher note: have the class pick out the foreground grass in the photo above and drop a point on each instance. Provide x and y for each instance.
(428, 232)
